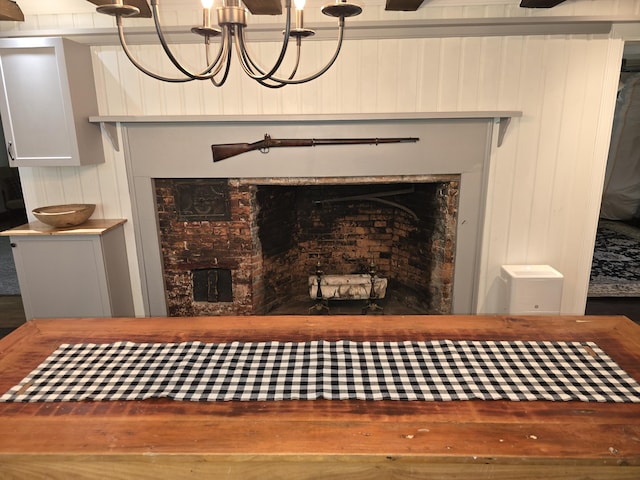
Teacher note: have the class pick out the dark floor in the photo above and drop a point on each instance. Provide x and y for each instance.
(11, 313)
(627, 306)
(11, 310)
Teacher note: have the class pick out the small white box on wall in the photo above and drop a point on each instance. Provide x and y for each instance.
(532, 289)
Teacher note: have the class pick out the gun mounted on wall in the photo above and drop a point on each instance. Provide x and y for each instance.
(227, 150)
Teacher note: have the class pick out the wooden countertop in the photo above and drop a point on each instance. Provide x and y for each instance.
(90, 227)
(321, 438)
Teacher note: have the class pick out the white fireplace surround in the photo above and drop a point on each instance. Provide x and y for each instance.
(180, 147)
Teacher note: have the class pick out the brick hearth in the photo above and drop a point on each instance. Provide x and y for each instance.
(236, 246)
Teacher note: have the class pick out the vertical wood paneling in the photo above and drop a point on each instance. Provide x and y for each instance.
(564, 202)
(231, 98)
(351, 67)
(73, 184)
(490, 57)
(502, 175)
(553, 111)
(173, 94)
(510, 67)
(210, 95)
(530, 96)
(329, 97)
(596, 123)
(408, 91)
(470, 66)
(498, 211)
(429, 75)
(367, 88)
(387, 81)
(191, 94)
(449, 68)
(152, 93)
(110, 91)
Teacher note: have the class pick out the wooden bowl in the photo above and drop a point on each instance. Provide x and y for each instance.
(62, 216)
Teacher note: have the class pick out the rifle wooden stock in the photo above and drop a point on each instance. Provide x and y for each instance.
(227, 150)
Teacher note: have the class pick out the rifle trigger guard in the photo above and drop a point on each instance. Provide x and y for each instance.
(264, 150)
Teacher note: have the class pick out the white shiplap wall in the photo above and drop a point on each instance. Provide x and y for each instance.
(544, 183)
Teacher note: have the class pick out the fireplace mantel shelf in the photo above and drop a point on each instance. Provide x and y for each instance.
(303, 118)
(110, 122)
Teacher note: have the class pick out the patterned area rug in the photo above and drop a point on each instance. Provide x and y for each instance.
(615, 271)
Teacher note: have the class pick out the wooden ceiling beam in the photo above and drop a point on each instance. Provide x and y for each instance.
(10, 11)
(540, 3)
(263, 7)
(403, 5)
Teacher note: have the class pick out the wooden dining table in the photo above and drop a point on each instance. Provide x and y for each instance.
(317, 439)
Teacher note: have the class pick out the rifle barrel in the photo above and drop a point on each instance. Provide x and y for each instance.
(357, 141)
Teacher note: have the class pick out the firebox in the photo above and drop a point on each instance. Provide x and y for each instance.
(247, 247)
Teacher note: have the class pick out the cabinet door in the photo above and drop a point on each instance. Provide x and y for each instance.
(41, 122)
(61, 276)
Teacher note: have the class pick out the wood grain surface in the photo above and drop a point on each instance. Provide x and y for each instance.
(318, 439)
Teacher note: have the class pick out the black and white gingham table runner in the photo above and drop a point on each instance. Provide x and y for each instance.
(413, 370)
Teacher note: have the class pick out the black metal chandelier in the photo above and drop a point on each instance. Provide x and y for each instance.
(232, 23)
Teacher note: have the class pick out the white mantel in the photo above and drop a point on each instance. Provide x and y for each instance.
(111, 122)
(180, 147)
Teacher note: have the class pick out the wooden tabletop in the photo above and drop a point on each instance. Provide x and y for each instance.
(321, 438)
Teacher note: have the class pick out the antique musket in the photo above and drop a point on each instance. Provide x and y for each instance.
(226, 150)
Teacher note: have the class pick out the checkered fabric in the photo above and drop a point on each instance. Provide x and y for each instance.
(412, 370)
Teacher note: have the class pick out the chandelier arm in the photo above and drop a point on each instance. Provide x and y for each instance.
(323, 69)
(271, 85)
(216, 65)
(250, 68)
(227, 63)
(136, 64)
(204, 75)
(295, 67)
(224, 52)
(246, 60)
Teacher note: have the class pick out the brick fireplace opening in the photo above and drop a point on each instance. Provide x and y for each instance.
(248, 246)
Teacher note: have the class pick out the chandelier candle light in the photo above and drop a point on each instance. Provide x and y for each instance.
(232, 22)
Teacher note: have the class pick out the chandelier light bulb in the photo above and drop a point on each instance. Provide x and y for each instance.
(299, 4)
(207, 4)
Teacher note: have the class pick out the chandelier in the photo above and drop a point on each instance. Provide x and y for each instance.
(230, 33)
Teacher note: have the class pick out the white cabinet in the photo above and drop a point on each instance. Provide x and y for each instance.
(47, 96)
(74, 272)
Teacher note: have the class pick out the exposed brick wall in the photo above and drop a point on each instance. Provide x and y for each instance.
(276, 234)
(201, 244)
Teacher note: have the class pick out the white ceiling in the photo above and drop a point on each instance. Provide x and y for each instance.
(31, 7)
